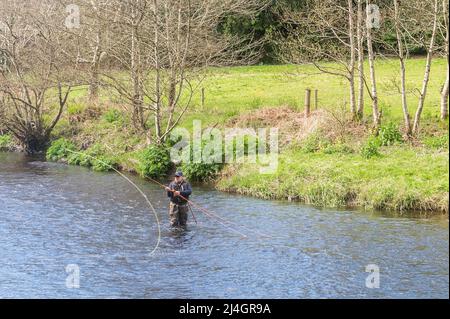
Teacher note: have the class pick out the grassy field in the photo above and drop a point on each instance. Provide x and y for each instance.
(402, 177)
(231, 91)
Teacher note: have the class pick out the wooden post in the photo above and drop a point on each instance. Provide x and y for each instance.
(316, 99)
(308, 103)
(203, 98)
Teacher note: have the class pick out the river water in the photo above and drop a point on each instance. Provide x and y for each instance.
(58, 221)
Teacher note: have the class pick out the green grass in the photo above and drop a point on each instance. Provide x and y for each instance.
(401, 179)
(231, 91)
(6, 142)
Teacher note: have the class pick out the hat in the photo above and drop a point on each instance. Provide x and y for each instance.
(179, 174)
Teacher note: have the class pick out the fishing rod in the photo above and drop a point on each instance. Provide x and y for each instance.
(192, 212)
(211, 213)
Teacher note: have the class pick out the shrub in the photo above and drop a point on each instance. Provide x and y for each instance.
(390, 135)
(74, 109)
(371, 148)
(154, 161)
(103, 164)
(60, 149)
(94, 157)
(77, 159)
(5, 142)
(200, 172)
(113, 116)
(314, 143)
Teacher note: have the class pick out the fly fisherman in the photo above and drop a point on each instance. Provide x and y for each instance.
(178, 192)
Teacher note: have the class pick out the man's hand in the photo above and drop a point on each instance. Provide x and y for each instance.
(177, 194)
(168, 189)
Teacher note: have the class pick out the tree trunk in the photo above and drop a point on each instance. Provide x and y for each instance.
(360, 39)
(401, 56)
(374, 95)
(351, 33)
(444, 97)
(137, 116)
(95, 70)
(426, 79)
(157, 88)
(444, 92)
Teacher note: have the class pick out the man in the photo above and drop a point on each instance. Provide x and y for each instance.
(178, 192)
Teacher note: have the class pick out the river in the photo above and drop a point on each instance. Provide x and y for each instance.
(68, 232)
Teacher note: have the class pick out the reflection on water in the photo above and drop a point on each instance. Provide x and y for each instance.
(54, 215)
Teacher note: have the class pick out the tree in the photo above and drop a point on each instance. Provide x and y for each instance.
(165, 45)
(445, 35)
(360, 44)
(400, 51)
(35, 86)
(430, 51)
(326, 31)
(371, 12)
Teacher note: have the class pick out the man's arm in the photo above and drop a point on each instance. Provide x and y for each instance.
(170, 193)
(187, 191)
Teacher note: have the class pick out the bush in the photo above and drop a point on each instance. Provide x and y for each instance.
(103, 164)
(94, 157)
(113, 116)
(315, 142)
(389, 135)
(60, 149)
(5, 142)
(154, 161)
(201, 172)
(371, 148)
(74, 109)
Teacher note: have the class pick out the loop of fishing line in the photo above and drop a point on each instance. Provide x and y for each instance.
(136, 187)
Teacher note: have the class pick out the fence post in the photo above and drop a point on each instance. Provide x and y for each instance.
(203, 98)
(316, 99)
(308, 103)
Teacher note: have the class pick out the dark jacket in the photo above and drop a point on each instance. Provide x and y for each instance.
(184, 188)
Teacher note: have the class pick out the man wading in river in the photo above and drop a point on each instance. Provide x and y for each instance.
(178, 192)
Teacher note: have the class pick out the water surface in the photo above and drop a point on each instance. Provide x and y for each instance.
(52, 216)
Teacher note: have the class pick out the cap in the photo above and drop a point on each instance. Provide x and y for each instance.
(179, 174)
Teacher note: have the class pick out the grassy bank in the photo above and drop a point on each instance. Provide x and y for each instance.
(331, 164)
(400, 179)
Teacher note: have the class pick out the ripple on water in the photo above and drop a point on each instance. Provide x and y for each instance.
(54, 215)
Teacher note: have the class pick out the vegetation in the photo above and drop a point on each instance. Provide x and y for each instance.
(7, 143)
(154, 161)
(110, 92)
(401, 179)
(374, 171)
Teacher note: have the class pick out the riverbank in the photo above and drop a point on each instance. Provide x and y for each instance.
(325, 160)
(402, 179)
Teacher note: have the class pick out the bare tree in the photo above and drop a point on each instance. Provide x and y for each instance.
(429, 58)
(445, 34)
(401, 56)
(166, 44)
(360, 43)
(35, 87)
(325, 32)
(374, 92)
